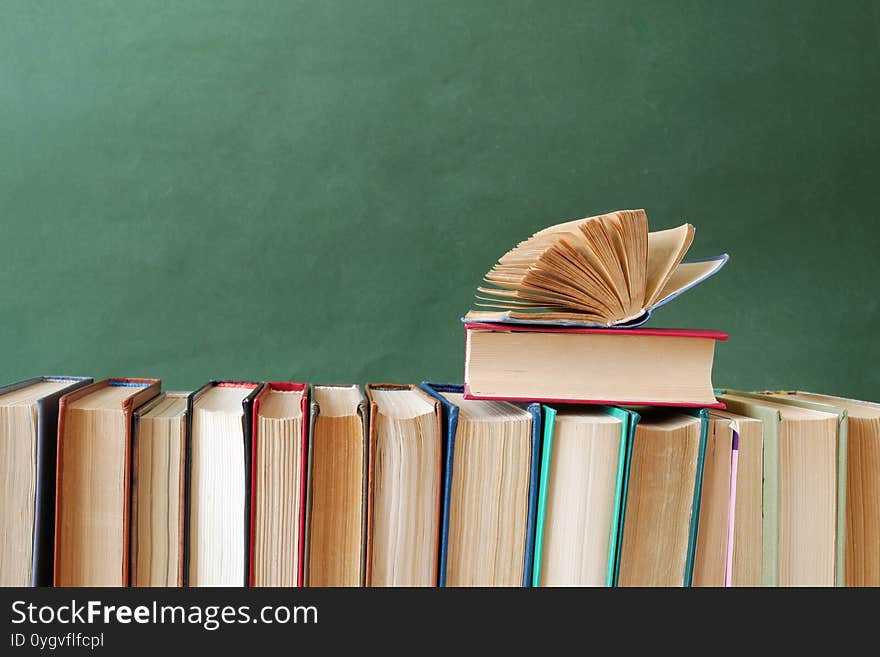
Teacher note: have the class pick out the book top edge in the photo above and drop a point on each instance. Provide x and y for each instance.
(710, 334)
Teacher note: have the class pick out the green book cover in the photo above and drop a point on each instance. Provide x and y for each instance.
(628, 420)
(842, 440)
(549, 415)
(703, 415)
(631, 423)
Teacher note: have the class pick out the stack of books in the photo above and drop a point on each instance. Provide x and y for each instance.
(581, 450)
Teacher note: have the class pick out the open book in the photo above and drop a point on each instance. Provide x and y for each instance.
(606, 270)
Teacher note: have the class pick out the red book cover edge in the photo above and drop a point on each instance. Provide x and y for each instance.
(660, 332)
(602, 402)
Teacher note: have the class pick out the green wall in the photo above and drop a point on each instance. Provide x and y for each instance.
(312, 190)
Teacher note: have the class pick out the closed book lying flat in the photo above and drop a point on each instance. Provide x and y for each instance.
(93, 481)
(28, 451)
(657, 367)
(490, 489)
(218, 486)
(158, 491)
(336, 494)
(581, 495)
(403, 511)
(662, 506)
(278, 484)
(862, 490)
(800, 512)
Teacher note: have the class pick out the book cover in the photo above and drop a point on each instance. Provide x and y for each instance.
(632, 421)
(771, 419)
(374, 411)
(247, 429)
(842, 441)
(449, 425)
(147, 389)
(627, 425)
(314, 413)
(703, 416)
(589, 364)
(137, 417)
(43, 545)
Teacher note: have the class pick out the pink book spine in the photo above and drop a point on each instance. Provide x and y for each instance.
(731, 510)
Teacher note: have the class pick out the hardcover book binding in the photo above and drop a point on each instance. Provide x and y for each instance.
(43, 544)
(143, 390)
(246, 433)
(303, 448)
(791, 544)
(371, 487)
(314, 415)
(145, 497)
(651, 367)
(632, 421)
(703, 416)
(842, 449)
(627, 427)
(862, 553)
(694, 496)
(449, 426)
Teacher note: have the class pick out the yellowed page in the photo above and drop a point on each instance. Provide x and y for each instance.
(666, 248)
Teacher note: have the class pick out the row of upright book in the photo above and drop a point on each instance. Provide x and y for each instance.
(117, 483)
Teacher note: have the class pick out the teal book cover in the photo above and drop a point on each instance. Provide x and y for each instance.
(693, 526)
(703, 414)
(627, 422)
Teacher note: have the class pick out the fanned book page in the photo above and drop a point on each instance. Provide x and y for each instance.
(606, 270)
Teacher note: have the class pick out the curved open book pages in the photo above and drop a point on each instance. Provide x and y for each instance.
(606, 270)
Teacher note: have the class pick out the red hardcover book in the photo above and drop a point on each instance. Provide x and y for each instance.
(272, 460)
(656, 367)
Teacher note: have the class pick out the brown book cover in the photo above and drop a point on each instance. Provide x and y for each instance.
(143, 391)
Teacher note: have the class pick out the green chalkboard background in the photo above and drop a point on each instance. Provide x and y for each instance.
(312, 190)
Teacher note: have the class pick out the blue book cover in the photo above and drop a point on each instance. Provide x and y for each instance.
(449, 428)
